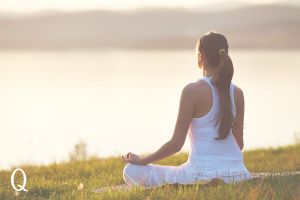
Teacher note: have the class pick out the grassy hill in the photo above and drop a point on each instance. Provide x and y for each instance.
(77, 180)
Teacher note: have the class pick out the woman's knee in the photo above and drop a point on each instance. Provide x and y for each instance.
(128, 175)
(127, 168)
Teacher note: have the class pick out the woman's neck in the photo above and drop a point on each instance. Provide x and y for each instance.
(209, 73)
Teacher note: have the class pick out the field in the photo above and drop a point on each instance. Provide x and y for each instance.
(78, 180)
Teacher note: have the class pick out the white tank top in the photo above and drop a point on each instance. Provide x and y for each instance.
(205, 150)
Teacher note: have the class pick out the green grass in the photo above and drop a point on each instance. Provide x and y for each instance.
(60, 180)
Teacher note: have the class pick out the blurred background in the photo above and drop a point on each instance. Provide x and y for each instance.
(110, 73)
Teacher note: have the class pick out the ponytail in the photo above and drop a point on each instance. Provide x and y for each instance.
(215, 48)
(222, 82)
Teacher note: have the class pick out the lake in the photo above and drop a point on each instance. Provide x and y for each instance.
(127, 100)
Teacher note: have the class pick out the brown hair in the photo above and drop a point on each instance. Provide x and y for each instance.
(215, 48)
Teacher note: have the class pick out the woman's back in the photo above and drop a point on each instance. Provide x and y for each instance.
(203, 131)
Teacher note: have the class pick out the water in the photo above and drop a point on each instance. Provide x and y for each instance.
(120, 100)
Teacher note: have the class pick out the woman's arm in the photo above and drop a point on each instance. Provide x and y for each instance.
(238, 122)
(185, 114)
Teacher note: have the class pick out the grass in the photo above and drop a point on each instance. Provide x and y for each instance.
(61, 180)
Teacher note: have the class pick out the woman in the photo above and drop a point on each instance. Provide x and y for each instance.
(211, 112)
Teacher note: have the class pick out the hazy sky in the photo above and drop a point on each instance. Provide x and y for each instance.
(38, 5)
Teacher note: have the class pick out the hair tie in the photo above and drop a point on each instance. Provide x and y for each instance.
(221, 51)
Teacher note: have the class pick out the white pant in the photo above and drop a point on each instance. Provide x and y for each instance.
(153, 175)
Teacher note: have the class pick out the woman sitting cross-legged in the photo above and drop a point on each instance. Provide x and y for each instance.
(211, 113)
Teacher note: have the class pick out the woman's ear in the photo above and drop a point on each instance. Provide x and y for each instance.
(201, 58)
(199, 62)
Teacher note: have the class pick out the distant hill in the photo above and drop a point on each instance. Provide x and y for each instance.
(266, 26)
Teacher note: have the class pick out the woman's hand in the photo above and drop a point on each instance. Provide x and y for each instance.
(133, 159)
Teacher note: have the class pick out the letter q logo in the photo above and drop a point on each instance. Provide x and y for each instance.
(12, 180)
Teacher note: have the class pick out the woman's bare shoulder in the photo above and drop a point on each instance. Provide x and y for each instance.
(197, 86)
(197, 89)
(238, 95)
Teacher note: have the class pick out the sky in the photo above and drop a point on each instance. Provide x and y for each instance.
(21, 6)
